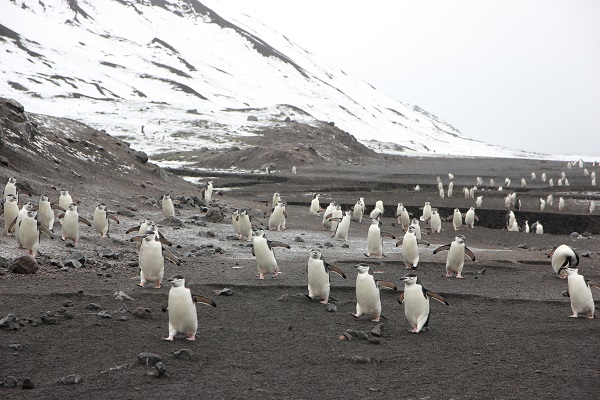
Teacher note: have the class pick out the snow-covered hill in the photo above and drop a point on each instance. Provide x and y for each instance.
(172, 75)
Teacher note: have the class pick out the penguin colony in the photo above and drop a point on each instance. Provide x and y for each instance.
(26, 222)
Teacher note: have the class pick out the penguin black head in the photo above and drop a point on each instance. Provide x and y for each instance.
(409, 278)
(315, 253)
(176, 280)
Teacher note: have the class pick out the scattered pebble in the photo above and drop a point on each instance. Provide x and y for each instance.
(70, 379)
(184, 354)
(377, 330)
(330, 307)
(120, 295)
(149, 359)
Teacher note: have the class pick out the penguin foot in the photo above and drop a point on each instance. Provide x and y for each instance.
(573, 316)
(192, 337)
(169, 338)
(325, 302)
(140, 284)
(376, 319)
(460, 276)
(157, 286)
(355, 315)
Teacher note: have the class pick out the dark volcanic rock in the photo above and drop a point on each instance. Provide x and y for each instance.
(24, 265)
(149, 359)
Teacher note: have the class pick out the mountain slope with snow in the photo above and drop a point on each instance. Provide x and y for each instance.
(173, 75)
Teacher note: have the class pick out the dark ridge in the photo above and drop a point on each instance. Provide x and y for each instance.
(187, 64)
(176, 85)
(171, 69)
(74, 6)
(112, 65)
(5, 32)
(164, 44)
(17, 86)
(75, 95)
(397, 112)
(139, 93)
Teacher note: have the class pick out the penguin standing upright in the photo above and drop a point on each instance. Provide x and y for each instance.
(318, 276)
(416, 302)
(101, 220)
(29, 232)
(343, 227)
(70, 223)
(368, 300)
(277, 217)
(410, 248)
(315, 206)
(46, 212)
(208, 191)
(151, 259)
(470, 218)
(262, 249)
(10, 210)
(25, 208)
(375, 239)
(580, 292)
(436, 222)
(358, 212)
(182, 309)
(456, 256)
(245, 226)
(326, 222)
(65, 200)
(10, 188)
(168, 209)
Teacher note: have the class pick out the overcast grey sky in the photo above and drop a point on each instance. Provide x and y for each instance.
(522, 73)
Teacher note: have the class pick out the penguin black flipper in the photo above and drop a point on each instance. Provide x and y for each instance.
(436, 296)
(399, 242)
(275, 243)
(401, 298)
(442, 248)
(469, 253)
(84, 221)
(12, 225)
(114, 218)
(386, 234)
(136, 239)
(423, 242)
(171, 256)
(386, 284)
(134, 229)
(204, 300)
(165, 305)
(164, 241)
(46, 231)
(57, 207)
(335, 269)
(591, 283)
(577, 258)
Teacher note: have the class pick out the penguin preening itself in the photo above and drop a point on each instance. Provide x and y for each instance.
(456, 256)
(416, 302)
(181, 305)
(368, 300)
(580, 292)
(318, 276)
(563, 256)
(262, 249)
(101, 220)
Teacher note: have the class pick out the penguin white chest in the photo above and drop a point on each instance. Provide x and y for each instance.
(318, 279)
(374, 242)
(151, 261)
(456, 258)
(410, 250)
(416, 306)
(367, 295)
(265, 258)
(70, 226)
(182, 311)
(29, 234)
(100, 222)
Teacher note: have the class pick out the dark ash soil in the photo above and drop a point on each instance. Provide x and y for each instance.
(505, 335)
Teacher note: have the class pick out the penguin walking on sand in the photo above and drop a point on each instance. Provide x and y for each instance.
(375, 239)
(46, 212)
(318, 276)
(168, 209)
(16, 224)
(436, 222)
(403, 216)
(315, 206)
(343, 227)
(457, 219)
(368, 300)
(426, 212)
(580, 292)
(416, 302)
(563, 256)
(456, 256)
(326, 223)
(208, 192)
(262, 249)
(245, 225)
(358, 212)
(10, 210)
(10, 188)
(277, 217)
(335, 217)
(30, 231)
(181, 305)
(65, 200)
(70, 223)
(101, 220)
(151, 259)
(470, 218)
(235, 221)
(510, 219)
(415, 223)
(410, 248)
